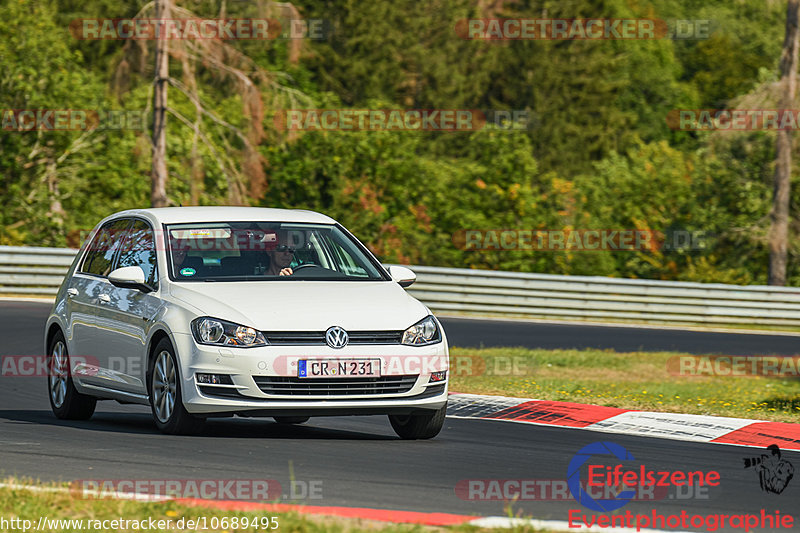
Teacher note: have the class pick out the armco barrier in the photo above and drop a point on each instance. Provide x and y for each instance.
(39, 271)
(598, 298)
(35, 271)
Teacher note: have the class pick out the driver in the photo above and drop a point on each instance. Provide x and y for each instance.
(180, 249)
(280, 254)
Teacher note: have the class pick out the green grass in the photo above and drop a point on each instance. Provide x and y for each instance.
(65, 505)
(636, 380)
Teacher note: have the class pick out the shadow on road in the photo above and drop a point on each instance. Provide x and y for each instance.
(236, 428)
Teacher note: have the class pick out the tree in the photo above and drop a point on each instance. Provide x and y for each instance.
(158, 175)
(236, 150)
(779, 230)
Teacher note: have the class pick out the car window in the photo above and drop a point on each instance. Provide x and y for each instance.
(139, 250)
(342, 256)
(100, 258)
(313, 253)
(254, 251)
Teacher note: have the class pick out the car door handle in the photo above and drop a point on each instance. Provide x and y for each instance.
(104, 298)
(72, 291)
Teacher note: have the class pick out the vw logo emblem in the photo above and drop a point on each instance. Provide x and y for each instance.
(336, 337)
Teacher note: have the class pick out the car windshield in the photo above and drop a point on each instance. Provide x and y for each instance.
(266, 251)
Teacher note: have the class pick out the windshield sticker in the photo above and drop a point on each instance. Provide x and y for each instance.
(201, 233)
(188, 271)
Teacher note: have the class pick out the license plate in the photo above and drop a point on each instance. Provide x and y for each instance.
(339, 368)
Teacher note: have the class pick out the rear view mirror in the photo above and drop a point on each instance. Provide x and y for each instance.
(131, 277)
(402, 275)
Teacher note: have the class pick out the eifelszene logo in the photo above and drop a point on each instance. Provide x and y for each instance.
(774, 472)
(574, 477)
(629, 478)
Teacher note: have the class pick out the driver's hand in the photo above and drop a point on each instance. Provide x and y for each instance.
(286, 272)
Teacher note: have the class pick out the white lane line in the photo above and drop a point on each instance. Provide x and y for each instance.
(136, 496)
(44, 299)
(32, 488)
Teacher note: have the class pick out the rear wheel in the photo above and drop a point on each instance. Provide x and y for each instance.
(419, 426)
(166, 400)
(291, 419)
(65, 401)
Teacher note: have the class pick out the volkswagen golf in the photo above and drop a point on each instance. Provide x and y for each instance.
(204, 312)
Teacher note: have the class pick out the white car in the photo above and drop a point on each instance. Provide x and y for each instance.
(219, 311)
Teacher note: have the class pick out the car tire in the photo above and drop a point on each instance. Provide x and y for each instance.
(166, 398)
(65, 400)
(419, 426)
(291, 419)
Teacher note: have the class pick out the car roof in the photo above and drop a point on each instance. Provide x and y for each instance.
(177, 215)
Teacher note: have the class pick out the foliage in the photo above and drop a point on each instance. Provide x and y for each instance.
(598, 153)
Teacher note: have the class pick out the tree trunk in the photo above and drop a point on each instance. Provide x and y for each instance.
(779, 230)
(195, 162)
(158, 174)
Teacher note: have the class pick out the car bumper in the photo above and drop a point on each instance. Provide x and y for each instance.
(247, 367)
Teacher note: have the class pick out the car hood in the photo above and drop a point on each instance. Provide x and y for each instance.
(304, 305)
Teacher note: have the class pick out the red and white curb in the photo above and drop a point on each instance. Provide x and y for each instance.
(410, 517)
(675, 426)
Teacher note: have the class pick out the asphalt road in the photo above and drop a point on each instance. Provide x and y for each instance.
(473, 333)
(355, 461)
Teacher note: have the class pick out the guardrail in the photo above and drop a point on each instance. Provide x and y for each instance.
(39, 271)
(598, 298)
(34, 271)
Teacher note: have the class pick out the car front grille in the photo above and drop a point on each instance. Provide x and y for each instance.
(317, 338)
(291, 386)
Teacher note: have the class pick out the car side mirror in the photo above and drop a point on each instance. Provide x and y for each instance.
(402, 275)
(131, 277)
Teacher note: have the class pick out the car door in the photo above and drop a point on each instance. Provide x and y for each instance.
(129, 314)
(87, 299)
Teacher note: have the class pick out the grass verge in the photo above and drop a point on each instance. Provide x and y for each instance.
(18, 504)
(635, 380)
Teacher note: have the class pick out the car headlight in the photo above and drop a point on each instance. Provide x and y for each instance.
(426, 331)
(218, 332)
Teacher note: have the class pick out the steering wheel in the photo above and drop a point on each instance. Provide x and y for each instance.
(304, 265)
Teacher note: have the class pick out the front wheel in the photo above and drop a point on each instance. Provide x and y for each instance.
(166, 400)
(419, 426)
(65, 401)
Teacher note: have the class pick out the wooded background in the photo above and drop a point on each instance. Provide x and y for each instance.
(600, 154)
